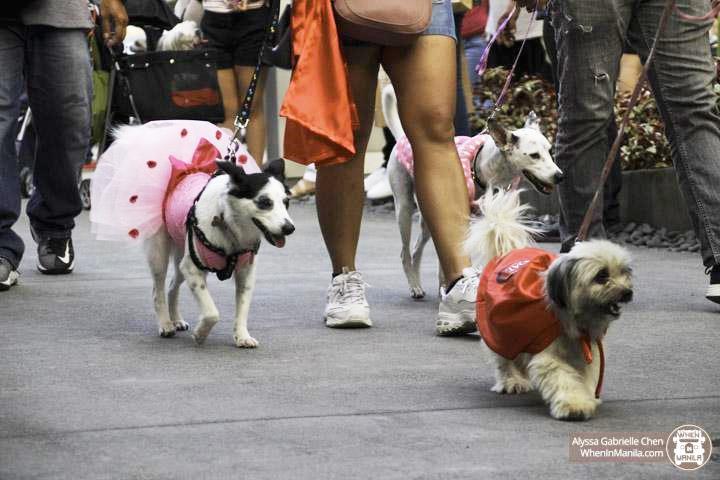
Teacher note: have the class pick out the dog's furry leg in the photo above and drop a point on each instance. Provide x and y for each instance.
(173, 294)
(402, 187)
(562, 386)
(509, 376)
(419, 247)
(244, 285)
(209, 314)
(157, 252)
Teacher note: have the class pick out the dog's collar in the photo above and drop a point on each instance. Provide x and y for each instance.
(473, 169)
(192, 228)
(585, 343)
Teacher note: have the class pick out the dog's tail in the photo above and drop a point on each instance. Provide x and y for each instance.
(390, 111)
(503, 226)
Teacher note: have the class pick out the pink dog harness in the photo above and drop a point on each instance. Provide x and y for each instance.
(467, 148)
(187, 182)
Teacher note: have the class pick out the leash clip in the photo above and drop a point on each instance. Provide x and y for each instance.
(240, 124)
(233, 147)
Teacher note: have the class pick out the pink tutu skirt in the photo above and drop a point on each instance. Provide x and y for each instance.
(129, 186)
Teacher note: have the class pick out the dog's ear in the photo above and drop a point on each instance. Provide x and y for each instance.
(559, 280)
(239, 185)
(497, 132)
(532, 121)
(237, 174)
(276, 168)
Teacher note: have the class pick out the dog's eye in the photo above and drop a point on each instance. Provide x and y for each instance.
(602, 276)
(535, 156)
(264, 203)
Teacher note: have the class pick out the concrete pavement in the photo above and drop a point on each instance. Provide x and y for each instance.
(89, 391)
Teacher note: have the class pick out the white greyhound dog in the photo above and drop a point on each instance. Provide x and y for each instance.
(492, 159)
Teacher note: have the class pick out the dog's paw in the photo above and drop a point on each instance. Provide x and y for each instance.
(574, 408)
(512, 386)
(167, 332)
(200, 335)
(417, 293)
(181, 325)
(245, 341)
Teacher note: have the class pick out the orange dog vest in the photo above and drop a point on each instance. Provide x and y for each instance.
(513, 315)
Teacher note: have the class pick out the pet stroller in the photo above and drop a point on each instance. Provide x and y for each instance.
(154, 85)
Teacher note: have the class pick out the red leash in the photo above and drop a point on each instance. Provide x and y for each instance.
(588, 356)
(585, 226)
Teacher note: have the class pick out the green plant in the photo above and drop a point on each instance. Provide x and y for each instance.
(524, 95)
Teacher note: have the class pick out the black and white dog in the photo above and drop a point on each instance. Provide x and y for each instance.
(492, 159)
(180, 210)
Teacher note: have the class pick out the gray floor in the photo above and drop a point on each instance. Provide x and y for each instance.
(89, 391)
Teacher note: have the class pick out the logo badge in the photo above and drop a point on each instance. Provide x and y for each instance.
(689, 447)
(507, 272)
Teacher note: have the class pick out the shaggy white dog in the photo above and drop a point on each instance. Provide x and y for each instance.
(544, 316)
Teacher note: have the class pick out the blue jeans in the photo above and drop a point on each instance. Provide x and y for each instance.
(54, 65)
(474, 47)
(590, 37)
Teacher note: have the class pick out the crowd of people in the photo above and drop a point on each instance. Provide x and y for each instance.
(576, 44)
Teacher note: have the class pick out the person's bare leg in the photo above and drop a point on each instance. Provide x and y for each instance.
(339, 189)
(340, 194)
(228, 90)
(424, 79)
(256, 131)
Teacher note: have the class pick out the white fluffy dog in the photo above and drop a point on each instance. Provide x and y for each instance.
(492, 159)
(183, 36)
(543, 316)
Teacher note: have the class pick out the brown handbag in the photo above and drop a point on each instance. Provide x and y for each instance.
(383, 22)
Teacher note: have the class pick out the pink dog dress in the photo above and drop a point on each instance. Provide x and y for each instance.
(150, 178)
(467, 148)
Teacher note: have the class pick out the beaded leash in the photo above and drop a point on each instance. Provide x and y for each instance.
(242, 119)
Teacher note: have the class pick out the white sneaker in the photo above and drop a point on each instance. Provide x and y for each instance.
(457, 307)
(374, 177)
(346, 304)
(381, 189)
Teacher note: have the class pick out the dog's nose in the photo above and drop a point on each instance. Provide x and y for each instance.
(559, 177)
(288, 228)
(626, 296)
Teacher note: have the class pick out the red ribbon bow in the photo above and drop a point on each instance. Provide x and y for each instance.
(203, 161)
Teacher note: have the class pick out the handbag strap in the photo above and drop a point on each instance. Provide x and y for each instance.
(243, 116)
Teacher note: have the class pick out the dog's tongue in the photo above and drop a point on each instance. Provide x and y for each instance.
(280, 242)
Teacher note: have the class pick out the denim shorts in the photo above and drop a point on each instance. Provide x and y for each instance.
(441, 23)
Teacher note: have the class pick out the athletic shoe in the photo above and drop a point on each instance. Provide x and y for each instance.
(55, 256)
(346, 304)
(8, 274)
(381, 189)
(302, 188)
(713, 291)
(374, 178)
(457, 307)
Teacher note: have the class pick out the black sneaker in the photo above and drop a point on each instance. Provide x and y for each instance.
(55, 256)
(713, 291)
(8, 274)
